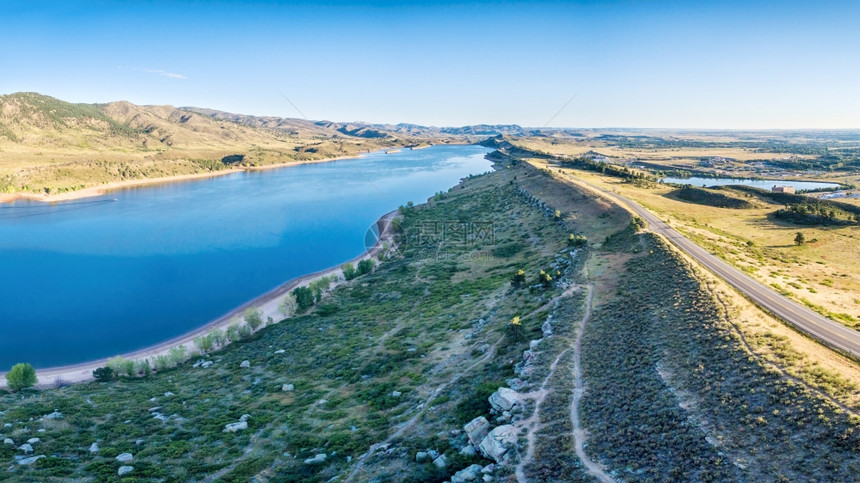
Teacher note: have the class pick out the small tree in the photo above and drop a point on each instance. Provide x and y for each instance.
(287, 307)
(519, 278)
(304, 298)
(204, 343)
(162, 362)
(177, 355)
(349, 272)
(104, 374)
(365, 266)
(253, 317)
(233, 332)
(21, 376)
(142, 367)
(244, 331)
(515, 329)
(799, 239)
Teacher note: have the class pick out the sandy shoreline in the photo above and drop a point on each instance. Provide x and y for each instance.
(103, 189)
(267, 303)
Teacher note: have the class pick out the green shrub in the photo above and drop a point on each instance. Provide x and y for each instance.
(21, 376)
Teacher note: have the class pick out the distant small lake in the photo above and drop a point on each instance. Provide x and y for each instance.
(758, 183)
(96, 277)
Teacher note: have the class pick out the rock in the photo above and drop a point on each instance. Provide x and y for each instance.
(433, 454)
(124, 470)
(34, 440)
(322, 402)
(288, 387)
(94, 448)
(421, 456)
(477, 429)
(320, 458)
(7, 425)
(496, 444)
(168, 394)
(547, 329)
(280, 351)
(487, 478)
(396, 393)
(245, 364)
(468, 450)
(125, 458)
(30, 460)
(139, 442)
(244, 417)
(54, 415)
(152, 410)
(233, 427)
(206, 364)
(441, 461)
(534, 344)
(489, 468)
(504, 399)
(26, 448)
(516, 383)
(8, 441)
(467, 474)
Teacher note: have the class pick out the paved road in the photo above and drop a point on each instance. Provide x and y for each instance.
(819, 327)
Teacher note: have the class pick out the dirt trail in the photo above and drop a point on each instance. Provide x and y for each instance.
(578, 389)
(423, 407)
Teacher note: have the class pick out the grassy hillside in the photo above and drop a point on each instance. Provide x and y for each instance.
(51, 146)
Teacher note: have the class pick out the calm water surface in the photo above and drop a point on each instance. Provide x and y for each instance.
(758, 183)
(93, 278)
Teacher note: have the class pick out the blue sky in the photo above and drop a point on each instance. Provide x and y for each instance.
(630, 64)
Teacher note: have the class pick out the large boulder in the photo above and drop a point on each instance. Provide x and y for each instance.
(30, 460)
(124, 470)
(320, 458)
(477, 429)
(441, 461)
(233, 427)
(125, 458)
(497, 443)
(504, 399)
(467, 474)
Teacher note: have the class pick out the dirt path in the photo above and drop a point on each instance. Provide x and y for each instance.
(423, 408)
(533, 422)
(578, 389)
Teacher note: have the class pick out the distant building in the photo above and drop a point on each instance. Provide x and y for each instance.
(782, 189)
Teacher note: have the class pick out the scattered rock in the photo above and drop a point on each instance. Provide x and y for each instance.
(206, 364)
(30, 460)
(421, 456)
(8, 441)
(534, 344)
(26, 448)
(487, 478)
(233, 427)
(94, 448)
(441, 461)
(34, 440)
(124, 470)
(477, 429)
(467, 474)
(125, 458)
(156, 408)
(168, 394)
(516, 383)
(322, 402)
(280, 351)
(433, 454)
(288, 387)
(320, 458)
(546, 328)
(54, 415)
(496, 444)
(396, 393)
(468, 450)
(504, 399)
(489, 468)
(244, 417)
(139, 442)
(245, 364)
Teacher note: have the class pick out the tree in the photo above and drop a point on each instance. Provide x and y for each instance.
(233, 332)
(287, 307)
(21, 376)
(349, 272)
(576, 241)
(304, 298)
(515, 329)
(104, 374)
(519, 278)
(253, 317)
(365, 266)
(142, 367)
(799, 239)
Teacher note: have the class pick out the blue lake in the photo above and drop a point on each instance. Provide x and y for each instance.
(758, 183)
(93, 278)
